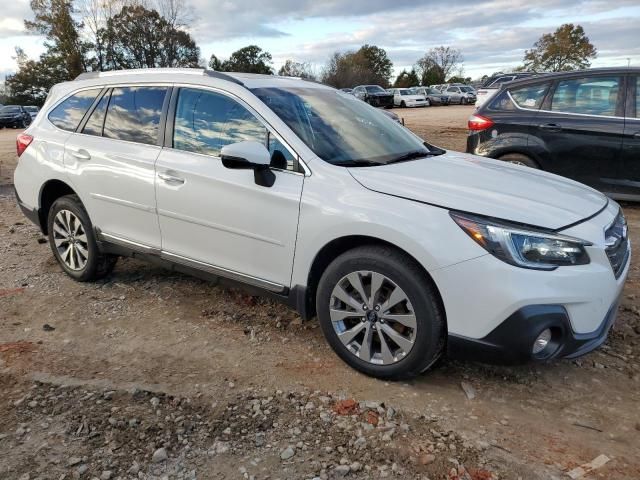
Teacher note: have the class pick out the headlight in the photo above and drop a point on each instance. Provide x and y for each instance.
(522, 247)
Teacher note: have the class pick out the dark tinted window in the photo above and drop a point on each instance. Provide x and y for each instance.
(67, 115)
(96, 120)
(592, 96)
(638, 97)
(207, 121)
(530, 96)
(134, 114)
(375, 89)
(279, 151)
(10, 109)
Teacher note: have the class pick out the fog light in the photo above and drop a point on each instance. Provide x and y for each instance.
(542, 341)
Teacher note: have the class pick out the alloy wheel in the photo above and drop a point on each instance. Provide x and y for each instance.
(70, 240)
(373, 317)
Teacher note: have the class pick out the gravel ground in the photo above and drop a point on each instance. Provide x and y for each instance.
(151, 374)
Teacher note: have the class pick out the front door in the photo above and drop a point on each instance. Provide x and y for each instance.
(580, 130)
(630, 177)
(216, 218)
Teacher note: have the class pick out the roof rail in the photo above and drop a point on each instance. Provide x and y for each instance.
(142, 71)
(222, 76)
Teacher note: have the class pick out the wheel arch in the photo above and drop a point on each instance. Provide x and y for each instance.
(336, 247)
(49, 193)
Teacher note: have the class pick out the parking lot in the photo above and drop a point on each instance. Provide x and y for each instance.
(105, 377)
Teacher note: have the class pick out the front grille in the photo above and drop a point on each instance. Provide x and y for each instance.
(617, 244)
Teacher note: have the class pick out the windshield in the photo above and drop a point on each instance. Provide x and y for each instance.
(433, 91)
(10, 109)
(375, 89)
(31, 109)
(466, 89)
(405, 92)
(341, 129)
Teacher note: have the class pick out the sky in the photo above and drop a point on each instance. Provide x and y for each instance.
(492, 35)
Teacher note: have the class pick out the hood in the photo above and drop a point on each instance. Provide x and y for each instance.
(493, 188)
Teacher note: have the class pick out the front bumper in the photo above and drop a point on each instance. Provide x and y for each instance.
(511, 342)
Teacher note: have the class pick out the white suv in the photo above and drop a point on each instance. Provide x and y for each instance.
(404, 251)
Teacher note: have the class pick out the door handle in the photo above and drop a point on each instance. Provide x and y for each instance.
(550, 127)
(81, 154)
(171, 179)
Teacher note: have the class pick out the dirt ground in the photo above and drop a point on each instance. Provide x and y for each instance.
(151, 374)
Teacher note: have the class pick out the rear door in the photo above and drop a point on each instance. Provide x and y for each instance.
(579, 130)
(630, 175)
(112, 159)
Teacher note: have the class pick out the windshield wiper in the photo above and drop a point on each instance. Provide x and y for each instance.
(411, 156)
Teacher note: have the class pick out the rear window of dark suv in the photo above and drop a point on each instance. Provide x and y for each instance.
(525, 97)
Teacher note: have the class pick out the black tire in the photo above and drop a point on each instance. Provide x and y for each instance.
(430, 330)
(402, 104)
(520, 159)
(98, 265)
(463, 101)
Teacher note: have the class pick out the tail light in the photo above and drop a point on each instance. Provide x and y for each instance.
(22, 142)
(478, 123)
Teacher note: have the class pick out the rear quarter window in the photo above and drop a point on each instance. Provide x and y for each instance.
(528, 97)
(69, 112)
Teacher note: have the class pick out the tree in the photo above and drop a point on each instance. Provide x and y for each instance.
(141, 38)
(215, 63)
(292, 68)
(568, 48)
(368, 65)
(54, 19)
(34, 78)
(438, 63)
(459, 79)
(407, 79)
(250, 59)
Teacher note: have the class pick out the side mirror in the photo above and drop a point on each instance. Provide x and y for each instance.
(249, 156)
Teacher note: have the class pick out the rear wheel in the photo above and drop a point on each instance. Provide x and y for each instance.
(380, 313)
(519, 159)
(73, 241)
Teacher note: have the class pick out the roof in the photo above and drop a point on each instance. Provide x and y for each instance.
(249, 80)
(574, 73)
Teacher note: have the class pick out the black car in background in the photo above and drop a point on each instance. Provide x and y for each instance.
(374, 95)
(584, 125)
(14, 116)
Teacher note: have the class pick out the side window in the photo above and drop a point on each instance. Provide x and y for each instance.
(280, 156)
(134, 114)
(67, 115)
(592, 96)
(207, 121)
(96, 119)
(530, 96)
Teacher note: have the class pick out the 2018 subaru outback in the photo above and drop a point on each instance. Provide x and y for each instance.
(403, 250)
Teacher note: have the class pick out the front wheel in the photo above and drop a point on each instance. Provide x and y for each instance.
(73, 241)
(380, 313)
(463, 101)
(519, 159)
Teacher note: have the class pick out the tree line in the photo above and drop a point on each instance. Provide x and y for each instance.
(102, 35)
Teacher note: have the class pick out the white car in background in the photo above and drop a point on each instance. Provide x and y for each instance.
(404, 97)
